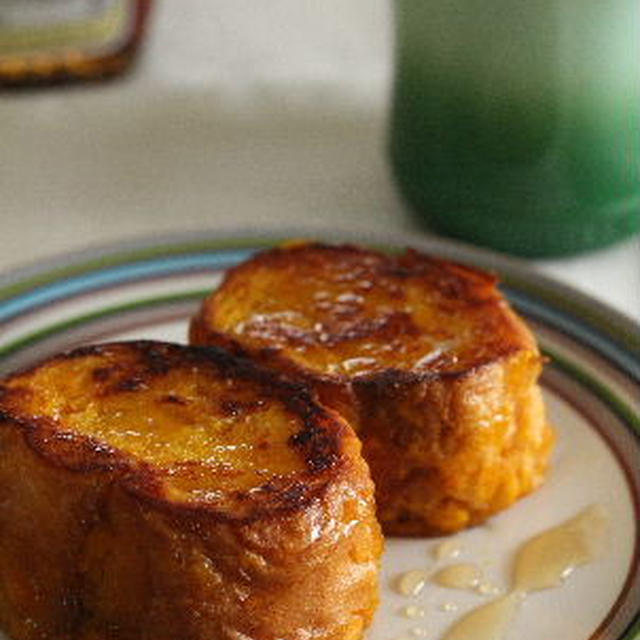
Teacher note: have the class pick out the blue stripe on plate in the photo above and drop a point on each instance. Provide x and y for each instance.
(220, 259)
(573, 326)
(120, 274)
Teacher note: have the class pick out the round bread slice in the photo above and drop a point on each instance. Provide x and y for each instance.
(151, 491)
(423, 357)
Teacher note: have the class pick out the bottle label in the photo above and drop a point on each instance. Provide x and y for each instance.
(45, 27)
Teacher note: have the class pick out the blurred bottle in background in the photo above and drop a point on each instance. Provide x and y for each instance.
(55, 41)
(516, 123)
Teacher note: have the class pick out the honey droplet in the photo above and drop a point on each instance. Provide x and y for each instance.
(488, 589)
(412, 582)
(458, 576)
(487, 622)
(548, 558)
(412, 611)
(448, 549)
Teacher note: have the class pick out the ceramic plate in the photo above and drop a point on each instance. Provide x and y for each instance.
(592, 387)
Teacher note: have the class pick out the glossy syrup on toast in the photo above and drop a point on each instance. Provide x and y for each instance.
(424, 357)
(155, 491)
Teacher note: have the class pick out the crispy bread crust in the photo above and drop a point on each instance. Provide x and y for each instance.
(448, 442)
(97, 543)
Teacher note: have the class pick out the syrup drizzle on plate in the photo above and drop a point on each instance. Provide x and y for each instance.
(544, 562)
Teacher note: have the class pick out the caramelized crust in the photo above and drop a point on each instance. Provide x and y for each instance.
(423, 357)
(151, 491)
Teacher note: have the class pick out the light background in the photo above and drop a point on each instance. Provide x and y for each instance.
(240, 115)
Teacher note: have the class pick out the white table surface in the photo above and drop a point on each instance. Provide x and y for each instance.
(240, 114)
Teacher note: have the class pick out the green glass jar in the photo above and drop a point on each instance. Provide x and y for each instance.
(516, 123)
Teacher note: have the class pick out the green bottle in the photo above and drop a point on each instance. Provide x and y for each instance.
(516, 123)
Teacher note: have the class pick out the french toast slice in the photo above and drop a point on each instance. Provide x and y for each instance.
(151, 491)
(423, 357)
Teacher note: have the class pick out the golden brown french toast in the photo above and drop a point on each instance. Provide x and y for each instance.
(158, 492)
(423, 357)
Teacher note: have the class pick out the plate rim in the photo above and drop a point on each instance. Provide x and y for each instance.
(144, 247)
(602, 316)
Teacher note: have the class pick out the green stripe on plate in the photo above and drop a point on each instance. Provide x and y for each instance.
(620, 408)
(633, 632)
(149, 253)
(595, 316)
(626, 413)
(72, 323)
(133, 256)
